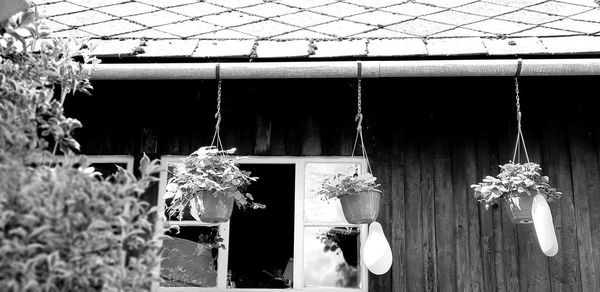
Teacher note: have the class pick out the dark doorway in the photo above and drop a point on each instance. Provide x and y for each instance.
(261, 242)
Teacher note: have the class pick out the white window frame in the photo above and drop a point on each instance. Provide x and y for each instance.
(299, 224)
(116, 159)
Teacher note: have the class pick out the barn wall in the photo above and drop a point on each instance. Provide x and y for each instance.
(428, 139)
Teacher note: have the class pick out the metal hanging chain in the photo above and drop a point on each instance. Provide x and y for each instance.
(359, 118)
(520, 138)
(217, 137)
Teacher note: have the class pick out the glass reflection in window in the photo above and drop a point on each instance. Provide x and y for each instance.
(107, 169)
(315, 209)
(331, 257)
(186, 211)
(190, 257)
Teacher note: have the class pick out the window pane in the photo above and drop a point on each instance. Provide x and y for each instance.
(186, 212)
(315, 209)
(331, 257)
(190, 257)
(261, 242)
(107, 168)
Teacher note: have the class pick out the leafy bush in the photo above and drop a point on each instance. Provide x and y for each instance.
(522, 178)
(62, 229)
(212, 170)
(342, 183)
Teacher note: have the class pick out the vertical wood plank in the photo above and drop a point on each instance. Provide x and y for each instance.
(346, 133)
(485, 216)
(415, 267)
(564, 268)
(378, 141)
(149, 141)
(509, 264)
(262, 143)
(497, 236)
(476, 274)
(382, 169)
(246, 132)
(593, 174)
(129, 136)
(596, 195)
(444, 211)
(428, 207)
(278, 134)
(173, 136)
(461, 209)
(578, 148)
(398, 207)
(230, 132)
(311, 143)
(294, 132)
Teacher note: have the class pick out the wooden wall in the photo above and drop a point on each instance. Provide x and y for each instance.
(428, 139)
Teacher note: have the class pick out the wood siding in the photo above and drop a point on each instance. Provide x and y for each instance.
(428, 140)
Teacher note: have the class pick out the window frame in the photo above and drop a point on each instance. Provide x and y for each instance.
(299, 163)
(127, 159)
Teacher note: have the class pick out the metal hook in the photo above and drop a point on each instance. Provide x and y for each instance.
(217, 126)
(359, 118)
(519, 66)
(218, 72)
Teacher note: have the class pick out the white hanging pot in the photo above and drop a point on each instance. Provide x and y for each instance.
(544, 227)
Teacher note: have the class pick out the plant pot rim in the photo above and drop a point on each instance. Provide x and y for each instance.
(529, 193)
(357, 192)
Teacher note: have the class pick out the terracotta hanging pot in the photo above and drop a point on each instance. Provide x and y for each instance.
(215, 209)
(518, 206)
(361, 207)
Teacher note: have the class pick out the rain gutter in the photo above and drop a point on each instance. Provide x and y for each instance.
(347, 69)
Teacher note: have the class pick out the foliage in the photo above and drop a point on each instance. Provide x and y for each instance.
(523, 178)
(212, 170)
(343, 183)
(27, 83)
(333, 237)
(62, 229)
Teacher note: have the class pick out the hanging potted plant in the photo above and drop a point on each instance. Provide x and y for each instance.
(516, 184)
(359, 195)
(208, 182)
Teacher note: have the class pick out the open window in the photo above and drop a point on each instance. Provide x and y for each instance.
(298, 242)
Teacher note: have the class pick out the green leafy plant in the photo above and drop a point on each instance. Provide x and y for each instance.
(30, 69)
(208, 169)
(522, 178)
(342, 183)
(62, 228)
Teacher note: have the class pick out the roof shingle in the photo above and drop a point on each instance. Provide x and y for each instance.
(339, 28)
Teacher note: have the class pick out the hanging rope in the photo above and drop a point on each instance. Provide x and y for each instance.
(359, 119)
(217, 137)
(520, 138)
